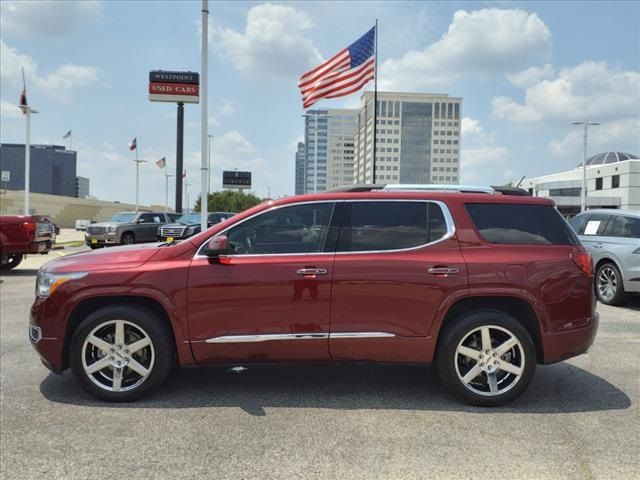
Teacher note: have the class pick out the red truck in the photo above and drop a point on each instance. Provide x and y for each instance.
(22, 234)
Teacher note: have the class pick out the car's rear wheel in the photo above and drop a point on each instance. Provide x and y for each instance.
(486, 357)
(13, 260)
(609, 288)
(128, 239)
(120, 353)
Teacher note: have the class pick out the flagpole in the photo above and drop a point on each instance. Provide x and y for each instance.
(70, 140)
(375, 104)
(137, 174)
(27, 160)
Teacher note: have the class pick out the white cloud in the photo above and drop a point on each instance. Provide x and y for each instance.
(272, 43)
(9, 110)
(591, 91)
(531, 76)
(46, 17)
(619, 135)
(479, 154)
(223, 110)
(58, 84)
(481, 42)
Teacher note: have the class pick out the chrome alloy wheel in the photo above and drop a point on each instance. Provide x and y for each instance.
(607, 283)
(117, 355)
(489, 360)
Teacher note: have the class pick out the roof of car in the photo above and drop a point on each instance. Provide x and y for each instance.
(415, 195)
(613, 211)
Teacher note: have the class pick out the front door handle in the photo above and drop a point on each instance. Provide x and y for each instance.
(312, 271)
(443, 271)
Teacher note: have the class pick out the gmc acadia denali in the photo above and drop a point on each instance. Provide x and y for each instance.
(484, 282)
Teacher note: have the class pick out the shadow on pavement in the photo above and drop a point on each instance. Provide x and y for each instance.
(559, 388)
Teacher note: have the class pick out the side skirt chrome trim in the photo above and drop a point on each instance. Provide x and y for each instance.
(295, 336)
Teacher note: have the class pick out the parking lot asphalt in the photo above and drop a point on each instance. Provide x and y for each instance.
(578, 420)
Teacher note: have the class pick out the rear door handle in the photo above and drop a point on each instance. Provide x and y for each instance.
(443, 271)
(312, 271)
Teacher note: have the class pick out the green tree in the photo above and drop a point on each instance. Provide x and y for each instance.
(229, 201)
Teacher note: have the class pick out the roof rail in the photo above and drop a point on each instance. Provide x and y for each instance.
(493, 189)
(440, 188)
(358, 187)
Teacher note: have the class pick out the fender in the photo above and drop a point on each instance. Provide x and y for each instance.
(177, 316)
(520, 294)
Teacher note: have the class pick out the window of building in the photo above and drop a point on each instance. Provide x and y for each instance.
(436, 112)
(615, 181)
(521, 224)
(599, 183)
(374, 226)
(457, 110)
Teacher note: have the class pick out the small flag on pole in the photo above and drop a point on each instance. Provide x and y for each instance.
(132, 144)
(23, 96)
(346, 72)
(67, 135)
(161, 163)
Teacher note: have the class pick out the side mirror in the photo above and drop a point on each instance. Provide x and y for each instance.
(217, 246)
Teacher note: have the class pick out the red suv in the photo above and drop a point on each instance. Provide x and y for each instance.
(484, 284)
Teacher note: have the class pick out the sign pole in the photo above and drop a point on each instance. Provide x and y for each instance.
(204, 166)
(179, 151)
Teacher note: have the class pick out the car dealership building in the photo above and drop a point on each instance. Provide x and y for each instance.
(613, 181)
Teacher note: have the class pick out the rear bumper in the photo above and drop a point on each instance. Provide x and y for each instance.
(40, 246)
(559, 346)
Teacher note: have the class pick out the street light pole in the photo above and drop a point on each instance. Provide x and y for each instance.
(138, 162)
(583, 196)
(209, 189)
(166, 190)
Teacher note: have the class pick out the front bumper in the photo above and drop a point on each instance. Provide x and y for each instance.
(46, 333)
(101, 240)
(559, 346)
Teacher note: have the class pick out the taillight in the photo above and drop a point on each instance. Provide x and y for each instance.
(30, 228)
(584, 261)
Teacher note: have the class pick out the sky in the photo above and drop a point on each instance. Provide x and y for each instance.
(524, 70)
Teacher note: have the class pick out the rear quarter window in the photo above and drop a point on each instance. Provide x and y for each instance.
(521, 224)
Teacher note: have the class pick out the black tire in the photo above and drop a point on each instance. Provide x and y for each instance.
(162, 348)
(608, 275)
(13, 260)
(128, 238)
(450, 362)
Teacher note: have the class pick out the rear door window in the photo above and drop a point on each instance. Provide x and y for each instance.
(380, 226)
(623, 226)
(521, 224)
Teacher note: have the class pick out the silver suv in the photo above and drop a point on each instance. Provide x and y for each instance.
(126, 228)
(613, 239)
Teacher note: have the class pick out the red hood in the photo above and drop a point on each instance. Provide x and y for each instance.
(112, 258)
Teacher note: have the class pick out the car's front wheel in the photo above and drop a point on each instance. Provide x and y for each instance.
(119, 353)
(128, 239)
(609, 288)
(486, 357)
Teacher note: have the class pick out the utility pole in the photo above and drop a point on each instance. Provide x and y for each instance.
(204, 164)
(583, 195)
(138, 162)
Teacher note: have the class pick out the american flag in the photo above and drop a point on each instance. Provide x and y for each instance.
(133, 144)
(344, 73)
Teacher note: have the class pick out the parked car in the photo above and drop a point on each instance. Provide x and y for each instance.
(82, 224)
(484, 285)
(126, 228)
(21, 235)
(613, 239)
(189, 224)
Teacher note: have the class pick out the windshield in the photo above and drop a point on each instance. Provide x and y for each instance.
(124, 217)
(190, 218)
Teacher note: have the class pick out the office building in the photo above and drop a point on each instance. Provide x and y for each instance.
(329, 148)
(299, 178)
(418, 139)
(613, 181)
(52, 168)
(82, 187)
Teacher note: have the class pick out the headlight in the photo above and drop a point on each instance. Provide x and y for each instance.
(112, 229)
(190, 230)
(47, 283)
(637, 250)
